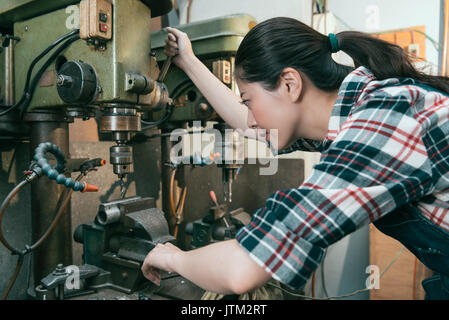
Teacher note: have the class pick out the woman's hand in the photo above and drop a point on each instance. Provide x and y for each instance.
(161, 257)
(178, 46)
(227, 104)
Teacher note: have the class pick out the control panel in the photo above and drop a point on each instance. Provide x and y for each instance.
(95, 19)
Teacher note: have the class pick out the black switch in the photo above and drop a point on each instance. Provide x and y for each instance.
(103, 17)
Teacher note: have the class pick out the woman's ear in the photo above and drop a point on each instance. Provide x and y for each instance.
(291, 83)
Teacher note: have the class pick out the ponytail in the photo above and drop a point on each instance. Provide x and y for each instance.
(278, 43)
(385, 60)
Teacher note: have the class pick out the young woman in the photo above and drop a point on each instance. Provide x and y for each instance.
(381, 127)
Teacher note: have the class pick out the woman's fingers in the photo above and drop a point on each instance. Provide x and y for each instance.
(178, 45)
(171, 46)
(171, 52)
(171, 43)
(153, 275)
(176, 32)
(172, 37)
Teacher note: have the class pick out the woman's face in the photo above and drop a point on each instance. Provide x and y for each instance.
(272, 112)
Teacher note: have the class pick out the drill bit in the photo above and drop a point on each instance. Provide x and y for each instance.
(230, 190)
(122, 187)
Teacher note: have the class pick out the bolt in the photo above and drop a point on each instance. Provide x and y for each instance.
(59, 270)
(26, 28)
(64, 81)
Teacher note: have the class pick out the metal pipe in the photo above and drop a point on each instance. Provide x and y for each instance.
(44, 199)
(9, 73)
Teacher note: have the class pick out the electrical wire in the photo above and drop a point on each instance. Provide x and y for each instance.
(30, 70)
(172, 201)
(177, 211)
(14, 277)
(3, 207)
(342, 22)
(436, 44)
(168, 112)
(180, 211)
(345, 295)
(28, 248)
(44, 67)
(58, 216)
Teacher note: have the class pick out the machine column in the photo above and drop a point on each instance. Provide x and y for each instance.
(57, 248)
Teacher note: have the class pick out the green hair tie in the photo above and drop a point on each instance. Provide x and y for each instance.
(334, 42)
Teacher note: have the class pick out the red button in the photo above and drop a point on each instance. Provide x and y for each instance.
(103, 27)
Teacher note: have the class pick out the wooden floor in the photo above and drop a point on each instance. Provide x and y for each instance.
(398, 282)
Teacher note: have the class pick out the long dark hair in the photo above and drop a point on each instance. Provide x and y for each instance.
(282, 42)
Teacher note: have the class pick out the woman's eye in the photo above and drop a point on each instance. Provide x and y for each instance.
(244, 102)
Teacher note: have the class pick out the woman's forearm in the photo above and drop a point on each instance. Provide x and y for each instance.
(223, 100)
(222, 267)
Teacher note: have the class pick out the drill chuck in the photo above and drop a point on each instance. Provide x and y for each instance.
(121, 159)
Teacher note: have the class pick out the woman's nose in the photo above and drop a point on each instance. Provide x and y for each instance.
(251, 122)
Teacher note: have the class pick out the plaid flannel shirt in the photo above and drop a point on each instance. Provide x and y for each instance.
(386, 146)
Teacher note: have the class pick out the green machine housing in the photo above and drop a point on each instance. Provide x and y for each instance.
(213, 41)
(38, 23)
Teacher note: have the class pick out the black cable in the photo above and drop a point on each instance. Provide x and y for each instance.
(168, 112)
(180, 87)
(30, 70)
(49, 48)
(44, 67)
